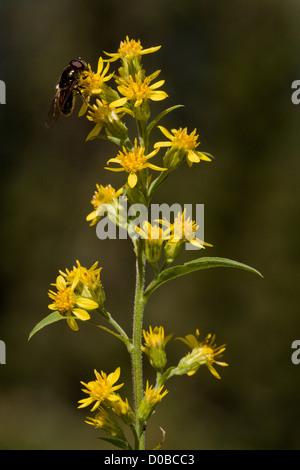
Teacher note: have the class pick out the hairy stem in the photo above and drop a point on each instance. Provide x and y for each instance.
(136, 354)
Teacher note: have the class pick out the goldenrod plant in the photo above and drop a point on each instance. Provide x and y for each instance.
(109, 100)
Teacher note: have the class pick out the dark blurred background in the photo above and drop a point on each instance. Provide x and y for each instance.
(232, 65)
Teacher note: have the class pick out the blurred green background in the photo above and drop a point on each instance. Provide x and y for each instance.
(232, 65)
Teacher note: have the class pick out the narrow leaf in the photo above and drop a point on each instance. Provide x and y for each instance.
(52, 318)
(114, 140)
(118, 443)
(125, 340)
(196, 265)
(158, 181)
(159, 116)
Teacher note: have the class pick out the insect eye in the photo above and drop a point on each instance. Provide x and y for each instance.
(77, 64)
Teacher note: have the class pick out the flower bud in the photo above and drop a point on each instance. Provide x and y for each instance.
(150, 400)
(173, 249)
(154, 347)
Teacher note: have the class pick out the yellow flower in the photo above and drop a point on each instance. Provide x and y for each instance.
(153, 233)
(80, 274)
(183, 142)
(107, 115)
(155, 338)
(122, 409)
(92, 83)
(203, 352)
(155, 236)
(184, 229)
(151, 398)
(139, 90)
(101, 390)
(103, 195)
(154, 347)
(103, 421)
(67, 302)
(154, 396)
(130, 49)
(134, 161)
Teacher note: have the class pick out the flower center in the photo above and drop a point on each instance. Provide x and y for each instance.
(184, 140)
(99, 390)
(133, 161)
(137, 89)
(65, 300)
(208, 352)
(103, 195)
(91, 81)
(184, 228)
(130, 48)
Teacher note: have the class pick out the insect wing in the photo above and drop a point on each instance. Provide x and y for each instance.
(67, 95)
(54, 111)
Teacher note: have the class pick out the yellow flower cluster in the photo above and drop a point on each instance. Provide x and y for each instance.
(102, 395)
(106, 107)
(79, 291)
(203, 352)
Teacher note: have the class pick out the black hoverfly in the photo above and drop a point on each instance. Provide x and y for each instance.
(66, 89)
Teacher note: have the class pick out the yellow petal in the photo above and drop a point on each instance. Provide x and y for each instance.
(76, 278)
(114, 160)
(193, 157)
(154, 167)
(157, 84)
(60, 282)
(132, 180)
(154, 152)
(94, 132)
(162, 144)
(150, 50)
(100, 65)
(83, 109)
(158, 96)
(204, 157)
(114, 169)
(91, 216)
(196, 242)
(86, 303)
(52, 307)
(114, 376)
(119, 102)
(72, 324)
(166, 132)
(81, 314)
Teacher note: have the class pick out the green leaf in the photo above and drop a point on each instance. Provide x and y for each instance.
(52, 318)
(196, 265)
(114, 140)
(159, 116)
(118, 443)
(158, 181)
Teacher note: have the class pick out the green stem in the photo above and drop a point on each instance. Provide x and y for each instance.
(115, 324)
(136, 353)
